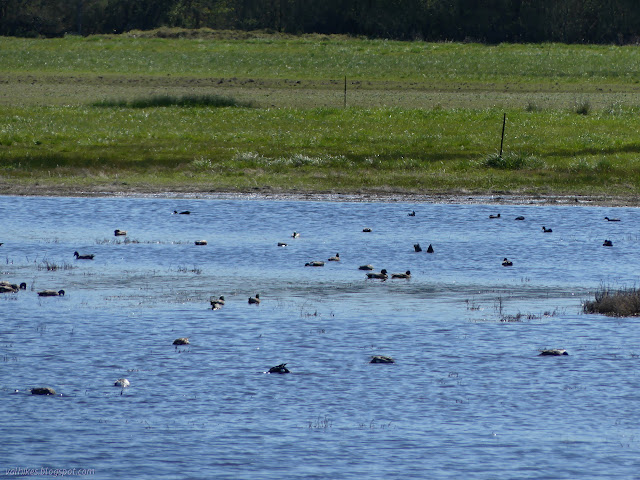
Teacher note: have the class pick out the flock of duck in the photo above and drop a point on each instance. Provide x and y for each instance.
(218, 302)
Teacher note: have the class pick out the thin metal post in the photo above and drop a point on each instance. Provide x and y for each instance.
(345, 91)
(504, 121)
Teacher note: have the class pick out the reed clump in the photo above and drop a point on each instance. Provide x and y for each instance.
(621, 302)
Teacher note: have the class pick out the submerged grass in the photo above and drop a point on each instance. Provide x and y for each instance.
(621, 302)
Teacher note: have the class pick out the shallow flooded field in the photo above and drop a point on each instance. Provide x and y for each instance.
(468, 396)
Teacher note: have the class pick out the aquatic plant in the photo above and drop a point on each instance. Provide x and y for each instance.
(621, 302)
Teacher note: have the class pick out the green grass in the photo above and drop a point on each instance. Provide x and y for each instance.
(231, 111)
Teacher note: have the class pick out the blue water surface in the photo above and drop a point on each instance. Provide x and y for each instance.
(468, 396)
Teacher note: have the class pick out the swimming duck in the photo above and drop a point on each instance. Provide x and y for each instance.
(119, 233)
(255, 300)
(520, 218)
(186, 212)
(200, 242)
(6, 287)
(412, 214)
(494, 216)
(282, 244)
(417, 247)
(51, 293)
(555, 352)
(607, 243)
(546, 230)
(335, 259)
(365, 267)
(611, 219)
(407, 274)
(181, 341)
(507, 263)
(82, 257)
(279, 369)
(43, 391)
(217, 303)
(366, 230)
(381, 359)
(295, 235)
(429, 249)
(380, 276)
(315, 263)
(122, 382)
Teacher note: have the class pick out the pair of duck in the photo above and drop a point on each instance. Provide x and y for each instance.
(6, 287)
(418, 248)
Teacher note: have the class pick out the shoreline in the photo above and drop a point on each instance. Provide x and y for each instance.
(198, 192)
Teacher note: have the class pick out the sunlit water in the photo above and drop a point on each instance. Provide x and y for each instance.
(468, 397)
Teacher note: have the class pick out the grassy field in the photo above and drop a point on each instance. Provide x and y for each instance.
(227, 111)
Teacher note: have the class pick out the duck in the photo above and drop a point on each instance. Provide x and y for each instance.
(507, 263)
(381, 359)
(185, 212)
(611, 219)
(83, 257)
(365, 267)
(6, 287)
(429, 249)
(51, 293)
(554, 352)
(181, 341)
(43, 391)
(379, 276)
(122, 382)
(412, 213)
(336, 258)
(417, 247)
(607, 243)
(295, 235)
(520, 217)
(282, 244)
(314, 263)
(546, 230)
(406, 274)
(494, 216)
(217, 303)
(366, 230)
(119, 233)
(200, 242)
(255, 300)
(282, 368)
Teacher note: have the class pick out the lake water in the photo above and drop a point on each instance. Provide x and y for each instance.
(468, 396)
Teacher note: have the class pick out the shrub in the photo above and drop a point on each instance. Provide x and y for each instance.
(623, 302)
(172, 101)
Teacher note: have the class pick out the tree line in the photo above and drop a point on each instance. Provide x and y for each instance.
(486, 21)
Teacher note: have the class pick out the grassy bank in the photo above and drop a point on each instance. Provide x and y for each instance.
(81, 113)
